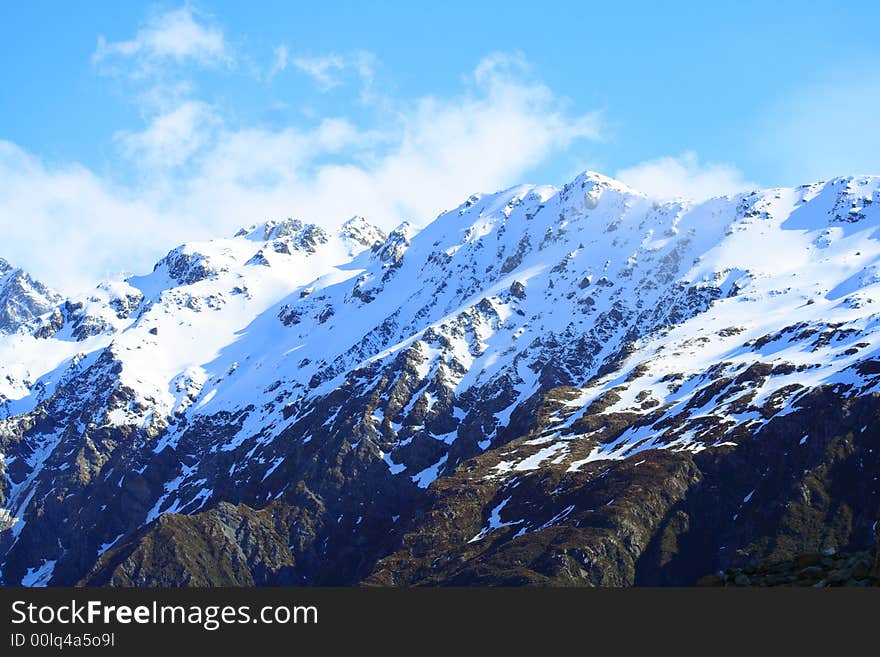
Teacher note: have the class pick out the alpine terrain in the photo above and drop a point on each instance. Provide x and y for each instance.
(553, 386)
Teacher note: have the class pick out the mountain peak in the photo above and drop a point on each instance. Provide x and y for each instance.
(593, 179)
(21, 297)
(362, 231)
(272, 229)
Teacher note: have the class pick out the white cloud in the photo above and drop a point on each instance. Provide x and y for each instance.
(69, 224)
(498, 64)
(684, 176)
(171, 138)
(437, 152)
(178, 35)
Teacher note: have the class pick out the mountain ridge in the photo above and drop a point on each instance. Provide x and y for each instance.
(379, 399)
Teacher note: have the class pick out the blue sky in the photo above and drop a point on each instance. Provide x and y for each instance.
(126, 128)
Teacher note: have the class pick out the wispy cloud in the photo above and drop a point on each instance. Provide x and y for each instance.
(322, 69)
(208, 175)
(178, 36)
(497, 64)
(281, 61)
(328, 71)
(684, 176)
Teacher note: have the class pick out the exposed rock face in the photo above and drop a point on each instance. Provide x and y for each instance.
(21, 298)
(664, 518)
(227, 546)
(589, 529)
(818, 570)
(576, 386)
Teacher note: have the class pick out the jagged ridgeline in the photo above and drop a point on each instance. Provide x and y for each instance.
(576, 386)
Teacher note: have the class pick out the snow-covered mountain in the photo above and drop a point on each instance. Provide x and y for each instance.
(21, 298)
(543, 385)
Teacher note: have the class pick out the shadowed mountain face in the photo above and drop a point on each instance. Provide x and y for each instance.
(575, 386)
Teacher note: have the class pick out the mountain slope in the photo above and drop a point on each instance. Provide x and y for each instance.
(577, 385)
